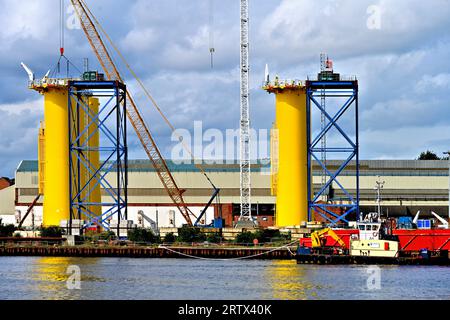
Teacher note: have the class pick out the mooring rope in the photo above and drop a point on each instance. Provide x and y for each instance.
(231, 259)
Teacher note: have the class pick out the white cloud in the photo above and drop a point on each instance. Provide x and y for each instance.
(31, 107)
(27, 19)
(308, 27)
(141, 40)
(439, 81)
(19, 131)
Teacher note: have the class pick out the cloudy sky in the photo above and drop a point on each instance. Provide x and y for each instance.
(398, 49)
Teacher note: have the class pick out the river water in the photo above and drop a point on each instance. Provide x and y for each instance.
(179, 279)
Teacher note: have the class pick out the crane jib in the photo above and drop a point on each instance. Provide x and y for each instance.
(147, 141)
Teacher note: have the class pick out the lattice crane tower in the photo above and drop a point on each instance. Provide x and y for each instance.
(245, 183)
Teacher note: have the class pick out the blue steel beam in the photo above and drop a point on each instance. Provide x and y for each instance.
(116, 153)
(333, 177)
(333, 123)
(346, 90)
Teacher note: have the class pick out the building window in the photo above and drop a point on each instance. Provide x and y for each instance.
(34, 180)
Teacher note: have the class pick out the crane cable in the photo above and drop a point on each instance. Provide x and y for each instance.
(231, 259)
(147, 93)
(61, 26)
(211, 32)
(57, 69)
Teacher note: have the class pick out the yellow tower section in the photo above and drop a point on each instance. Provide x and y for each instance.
(53, 153)
(41, 158)
(56, 154)
(84, 127)
(92, 140)
(291, 145)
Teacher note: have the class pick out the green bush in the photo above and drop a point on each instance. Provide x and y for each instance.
(142, 235)
(214, 237)
(190, 234)
(7, 231)
(90, 235)
(266, 235)
(169, 238)
(246, 237)
(95, 236)
(51, 232)
(107, 235)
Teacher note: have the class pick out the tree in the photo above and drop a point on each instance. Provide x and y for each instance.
(6, 230)
(428, 155)
(142, 235)
(214, 237)
(266, 235)
(169, 238)
(107, 235)
(190, 234)
(51, 232)
(246, 237)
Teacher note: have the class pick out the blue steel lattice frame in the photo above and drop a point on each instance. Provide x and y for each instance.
(347, 90)
(111, 113)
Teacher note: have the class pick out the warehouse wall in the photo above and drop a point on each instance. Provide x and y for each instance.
(7, 201)
(409, 184)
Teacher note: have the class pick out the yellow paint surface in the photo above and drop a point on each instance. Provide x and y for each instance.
(56, 169)
(94, 157)
(292, 182)
(41, 158)
(89, 140)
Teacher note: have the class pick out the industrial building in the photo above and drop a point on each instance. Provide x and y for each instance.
(410, 185)
(7, 191)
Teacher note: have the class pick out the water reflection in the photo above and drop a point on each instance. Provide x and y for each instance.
(50, 277)
(290, 281)
(184, 279)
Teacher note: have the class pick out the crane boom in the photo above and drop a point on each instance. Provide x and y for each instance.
(316, 237)
(135, 118)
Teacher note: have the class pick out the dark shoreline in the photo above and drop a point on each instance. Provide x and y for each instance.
(148, 252)
(211, 253)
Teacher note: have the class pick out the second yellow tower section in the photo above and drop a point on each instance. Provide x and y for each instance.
(289, 154)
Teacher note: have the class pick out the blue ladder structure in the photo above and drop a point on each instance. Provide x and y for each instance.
(110, 123)
(347, 93)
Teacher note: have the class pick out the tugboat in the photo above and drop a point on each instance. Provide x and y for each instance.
(368, 239)
(371, 240)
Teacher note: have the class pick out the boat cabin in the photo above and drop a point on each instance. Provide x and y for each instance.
(368, 230)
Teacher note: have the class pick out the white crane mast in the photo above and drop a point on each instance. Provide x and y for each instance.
(245, 183)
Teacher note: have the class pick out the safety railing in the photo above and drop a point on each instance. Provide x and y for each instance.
(341, 78)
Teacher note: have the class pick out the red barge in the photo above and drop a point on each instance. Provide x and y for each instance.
(412, 240)
(378, 241)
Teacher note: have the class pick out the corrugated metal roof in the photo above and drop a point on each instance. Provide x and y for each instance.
(367, 167)
(28, 166)
(146, 166)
